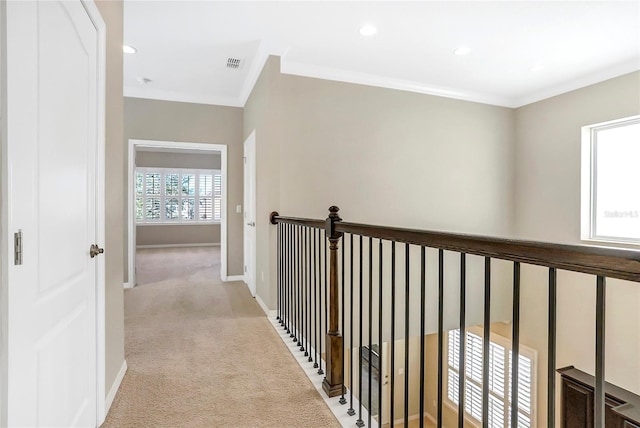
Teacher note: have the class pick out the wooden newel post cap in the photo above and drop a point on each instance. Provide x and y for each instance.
(272, 217)
(333, 218)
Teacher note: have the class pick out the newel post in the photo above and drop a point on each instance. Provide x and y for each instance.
(334, 379)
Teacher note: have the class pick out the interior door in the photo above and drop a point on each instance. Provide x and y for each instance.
(51, 151)
(250, 212)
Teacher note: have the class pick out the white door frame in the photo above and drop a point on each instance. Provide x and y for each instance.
(250, 278)
(6, 245)
(131, 244)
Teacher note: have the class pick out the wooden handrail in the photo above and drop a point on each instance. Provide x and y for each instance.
(594, 260)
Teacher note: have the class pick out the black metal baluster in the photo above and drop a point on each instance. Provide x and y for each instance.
(289, 281)
(406, 335)
(279, 273)
(351, 411)
(393, 334)
(486, 342)
(308, 353)
(515, 345)
(296, 337)
(551, 361)
(423, 293)
(315, 302)
(599, 398)
(320, 332)
(325, 242)
(360, 422)
(440, 333)
(380, 359)
(342, 399)
(463, 334)
(370, 322)
(303, 282)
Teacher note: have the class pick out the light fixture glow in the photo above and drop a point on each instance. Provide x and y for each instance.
(129, 49)
(368, 30)
(536, 68)
(462, 50)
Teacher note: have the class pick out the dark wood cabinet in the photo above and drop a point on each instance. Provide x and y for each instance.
(622, 406)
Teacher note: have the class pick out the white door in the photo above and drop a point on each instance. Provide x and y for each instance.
(51, 151)
(250, 212)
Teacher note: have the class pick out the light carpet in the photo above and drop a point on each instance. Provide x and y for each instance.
(201, 353)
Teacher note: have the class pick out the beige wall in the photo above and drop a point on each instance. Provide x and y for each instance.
(383, 156)
(112, 13)
(178, 160)
(263, 113)
(547, 207)
(184, 234)
(197, 123)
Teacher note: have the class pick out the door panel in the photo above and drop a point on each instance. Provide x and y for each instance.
(52, 60)
(250, 212)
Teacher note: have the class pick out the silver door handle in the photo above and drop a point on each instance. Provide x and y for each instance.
(252, 224)
(95, 250)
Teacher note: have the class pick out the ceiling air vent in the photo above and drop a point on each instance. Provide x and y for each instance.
(234, 63)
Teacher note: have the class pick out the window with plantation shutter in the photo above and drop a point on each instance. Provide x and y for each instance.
(170, 196)
(499, 379)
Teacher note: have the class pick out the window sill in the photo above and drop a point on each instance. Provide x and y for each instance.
(603, 242)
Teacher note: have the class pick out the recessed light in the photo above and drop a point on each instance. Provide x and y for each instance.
(368, 30)
(129, 49)
(462, 50)
(536, 68)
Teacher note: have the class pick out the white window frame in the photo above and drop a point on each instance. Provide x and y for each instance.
(525, 351)
(588, 185)
(162, 196)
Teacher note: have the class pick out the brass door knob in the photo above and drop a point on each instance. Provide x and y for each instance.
(95, 250)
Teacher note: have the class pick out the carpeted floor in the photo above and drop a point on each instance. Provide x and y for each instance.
(201, 353)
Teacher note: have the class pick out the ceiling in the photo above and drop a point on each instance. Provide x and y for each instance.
(183, 46)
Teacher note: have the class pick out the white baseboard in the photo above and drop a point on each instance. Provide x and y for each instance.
(115, 387)
(265, 308)
(212, 244)
(233, 278)
(413, 418)
(127, 285)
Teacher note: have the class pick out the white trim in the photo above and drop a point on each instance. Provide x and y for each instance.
(180, 97)
(126, 285)
(328, 73)
(265, 308)
(587, 187)
(114, 388)
(614, 71)
(101, 28)
(257, 65)
(414, 417)
(206, 244)
(177, 145)
(338, 410)
(233, 278)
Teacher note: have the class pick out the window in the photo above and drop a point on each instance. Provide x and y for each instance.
(499, 379)
(610, 178)
(177, 196)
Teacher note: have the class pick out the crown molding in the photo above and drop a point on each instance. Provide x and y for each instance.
(328, 73)
(591, 79)
(157, 94)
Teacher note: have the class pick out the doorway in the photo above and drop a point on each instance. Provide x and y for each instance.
(167, 198)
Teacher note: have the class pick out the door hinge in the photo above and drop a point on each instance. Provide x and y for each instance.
(17, 248)
(245, 159)
(245, 268)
